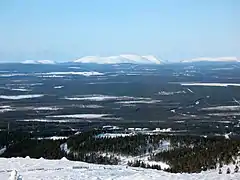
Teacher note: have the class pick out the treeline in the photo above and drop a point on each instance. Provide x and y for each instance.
(205, 154)
(129, 145)
(142, 164)
(181, 153)
(47, 149)
(93, 157)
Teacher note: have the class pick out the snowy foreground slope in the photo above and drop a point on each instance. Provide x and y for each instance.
(36, 169)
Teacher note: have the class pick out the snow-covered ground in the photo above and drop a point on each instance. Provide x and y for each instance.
(100, 97)
(83, 116)
(36, 169)
(91, 73)
(211, 84)
(21, 96)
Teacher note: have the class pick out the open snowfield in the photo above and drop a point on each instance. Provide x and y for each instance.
(36, 169)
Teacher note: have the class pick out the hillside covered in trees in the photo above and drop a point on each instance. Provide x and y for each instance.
(182, 153)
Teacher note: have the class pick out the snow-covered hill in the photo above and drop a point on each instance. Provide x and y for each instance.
(38, 62)
(127, 58)
(213, 59)
(35, 169)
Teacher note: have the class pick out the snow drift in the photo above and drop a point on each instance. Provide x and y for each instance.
(35, 169)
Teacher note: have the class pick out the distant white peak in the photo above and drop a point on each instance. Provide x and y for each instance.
(214, 59)
(152, 59)
(124, 58)
(38, 62)
(29, 62)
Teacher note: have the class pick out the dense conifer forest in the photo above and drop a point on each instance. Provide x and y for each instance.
(182, 153)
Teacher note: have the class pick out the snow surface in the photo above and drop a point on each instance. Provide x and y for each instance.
(5, 109)
(38, 62)
(114, 135)
(44, 120)
(211, 84)
(58, 87)
(100, 97)
(2, 150)
(166, 93)
(36, 169)
(21, 96)
(81, 116)
(53, 138)
(139, 102)
(222, 108)
(46, 108)
(13, 74)
(213, 59)
(85, 73)
(20, 89)
(125, 58)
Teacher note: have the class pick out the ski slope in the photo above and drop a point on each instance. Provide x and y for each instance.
(36, 169)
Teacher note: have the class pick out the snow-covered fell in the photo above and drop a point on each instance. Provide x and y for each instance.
(125, 58)
(35, 169)
(213, 59)
(38, 62)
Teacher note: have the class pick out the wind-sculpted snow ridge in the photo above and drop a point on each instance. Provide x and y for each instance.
(35, 169)
(125, 58)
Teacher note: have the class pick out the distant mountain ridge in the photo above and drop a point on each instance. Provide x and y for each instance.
(125, 58)
(213, 59)
(134, 59)
(38, 62)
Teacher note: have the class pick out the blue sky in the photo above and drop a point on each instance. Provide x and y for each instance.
(63, 30)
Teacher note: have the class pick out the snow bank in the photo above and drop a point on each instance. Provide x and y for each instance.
(35, 169)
